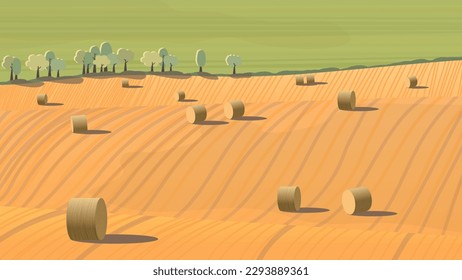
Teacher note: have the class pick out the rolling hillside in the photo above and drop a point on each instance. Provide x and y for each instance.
(176, 190)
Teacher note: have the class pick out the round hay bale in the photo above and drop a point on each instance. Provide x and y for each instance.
(412, 82)
(86, 219)
(196, 114)
(356, 200)
(42, 99)
(289, 198)
(179, 96)
(347, 100)
(234, 109)
(125, 83)
(299, 80)
(79, 123)
(310, 80)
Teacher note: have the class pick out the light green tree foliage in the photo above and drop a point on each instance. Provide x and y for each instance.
(233, 60)
(200, 59)
(79, 58)
(37, 62)
(125, 56)
(114, 60)
(7, 63)
(150, 59)
(58, 65)
(88, 60)
(16, 67)
(163, 53)
(94, 50)
(49, 55)
(105, 49)
(102, 61)
(171, 60)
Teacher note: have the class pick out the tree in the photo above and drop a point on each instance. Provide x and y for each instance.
(105, 49)
(16, 67)
(126, 56)
(150, 59)
(200, 59)
(58, 65)
(233, 60)
(94, 50)
(49, 55)
(88, 60)
(114, 60)
(7, 63)
(101, 61)
(37, 62)
(171, 61)
(163, 53)
(79, 58)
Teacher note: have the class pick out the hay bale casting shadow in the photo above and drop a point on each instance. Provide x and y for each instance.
(179, 96)
(289, 198)
(79, 124)
(196, 114)
(356, 200)
(86, 219)
(42, 99)
(234, 109)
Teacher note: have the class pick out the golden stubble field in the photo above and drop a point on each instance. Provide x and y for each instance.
(175, 190)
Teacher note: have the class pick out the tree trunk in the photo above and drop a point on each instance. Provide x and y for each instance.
(94, 68)
(234, 69)
(57, 74)
(163, 64)
(83, 69)
(113, 68)
(200, 69)
(171, 67)
(15, 77)
(125, 66)
(152, 66)
(11, 73)
(88, 68)
(105, 69)
(101, 69)
(49, 68)
(38, 73)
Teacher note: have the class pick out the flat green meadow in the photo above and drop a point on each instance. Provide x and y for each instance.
(270, 36)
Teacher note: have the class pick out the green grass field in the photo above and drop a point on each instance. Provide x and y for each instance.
(268, 35)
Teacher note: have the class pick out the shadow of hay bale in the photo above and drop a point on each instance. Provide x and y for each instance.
(124, 239)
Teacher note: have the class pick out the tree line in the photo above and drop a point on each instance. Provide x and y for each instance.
(103, 58)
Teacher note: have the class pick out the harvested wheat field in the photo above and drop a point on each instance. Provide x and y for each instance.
(176, 190)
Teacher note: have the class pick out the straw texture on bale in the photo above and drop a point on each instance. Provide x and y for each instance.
(412, 81)
(310, 80)
(299, 80)
(125, 83)
(234, 109)
(289, 198)
(180, 96)
(79, 123)
(196, 114)
(42, 99)
(86, 219)
(356, 200)
(347, 100)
